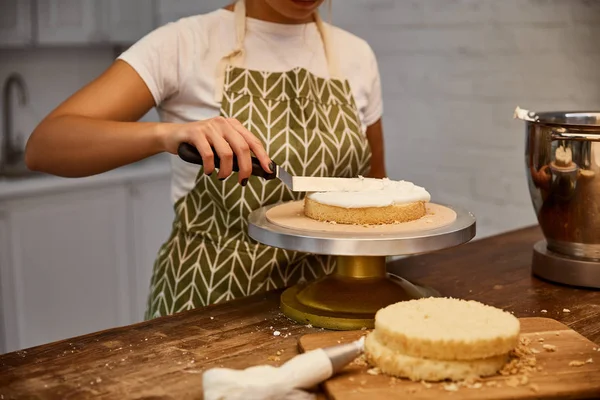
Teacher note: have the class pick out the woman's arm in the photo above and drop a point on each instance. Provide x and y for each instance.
(95, 131)
(375, 139)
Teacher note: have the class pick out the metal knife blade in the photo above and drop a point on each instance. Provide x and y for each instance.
(318, 184)
(190, 154)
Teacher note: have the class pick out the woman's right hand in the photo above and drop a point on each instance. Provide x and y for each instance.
(227, 136)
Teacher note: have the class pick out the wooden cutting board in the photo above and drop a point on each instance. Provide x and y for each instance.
(556, 380)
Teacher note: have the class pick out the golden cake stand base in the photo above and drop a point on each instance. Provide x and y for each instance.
(349, 298)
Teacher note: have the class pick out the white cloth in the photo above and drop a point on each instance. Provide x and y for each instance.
(287, 382)
(178, 62)
(265, 382)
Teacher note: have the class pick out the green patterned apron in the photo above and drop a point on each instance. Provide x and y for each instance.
(308, 125)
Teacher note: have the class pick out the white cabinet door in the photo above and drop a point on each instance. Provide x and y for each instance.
(153, 214)
(15, 22)
(68, 21)
(125, 22)
(7, 314)
(172, 10)
(63, 22)
(66, 272)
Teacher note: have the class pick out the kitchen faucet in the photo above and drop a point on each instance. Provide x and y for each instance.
(9, 154)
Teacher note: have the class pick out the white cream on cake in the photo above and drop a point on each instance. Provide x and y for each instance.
(374, 193)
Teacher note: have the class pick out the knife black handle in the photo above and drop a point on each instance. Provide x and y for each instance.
(190, 154)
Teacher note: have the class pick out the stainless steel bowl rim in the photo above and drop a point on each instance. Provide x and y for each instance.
(549, 119)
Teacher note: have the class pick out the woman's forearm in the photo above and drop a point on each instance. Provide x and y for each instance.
(77, 146)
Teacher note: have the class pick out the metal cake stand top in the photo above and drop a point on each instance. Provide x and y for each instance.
(355, 244)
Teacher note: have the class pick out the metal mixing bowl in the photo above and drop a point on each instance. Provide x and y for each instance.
(562, 156)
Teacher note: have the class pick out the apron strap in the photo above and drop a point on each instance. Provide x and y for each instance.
(236, 57)
(325, 33)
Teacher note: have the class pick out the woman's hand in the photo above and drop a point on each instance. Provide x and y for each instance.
(227, 136)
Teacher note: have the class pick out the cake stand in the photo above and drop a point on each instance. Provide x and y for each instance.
(348, 298)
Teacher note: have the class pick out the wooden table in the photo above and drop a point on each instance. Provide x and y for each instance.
(164, 358)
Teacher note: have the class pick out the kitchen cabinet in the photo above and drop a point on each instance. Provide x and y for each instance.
(68, 265)
(125, 22)
(152, 217)
(68, 21)
(79, 260)
(172, 10)
(71, 22)
(15, 23)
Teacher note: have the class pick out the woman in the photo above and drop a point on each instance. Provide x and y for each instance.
(260, 76)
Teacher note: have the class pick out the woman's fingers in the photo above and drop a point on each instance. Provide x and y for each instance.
(228, 138)
(223, 150)
(253, 143)
(240, 147)
(208, 158)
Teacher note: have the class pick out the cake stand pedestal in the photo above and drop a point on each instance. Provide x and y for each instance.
(360, 285)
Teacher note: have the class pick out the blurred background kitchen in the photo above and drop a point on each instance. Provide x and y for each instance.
(76, 254)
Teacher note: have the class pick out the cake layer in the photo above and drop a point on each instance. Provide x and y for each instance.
(446, 329)
(391, 214)
(394, 363)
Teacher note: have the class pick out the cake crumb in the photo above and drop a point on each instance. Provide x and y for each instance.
(426, 384)
(451, 387)
(534, 388)
(549, 347)
(522, 360)
(589, 361)
(360, 361)
(576, 363)
(491, 384)
(276, 333)
(544, 311)
(566, 310)
(273, 358)
(540, 339)
(373, 371)
(512, 382)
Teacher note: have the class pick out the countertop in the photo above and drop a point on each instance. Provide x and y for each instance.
(164, 358)
(35, 184)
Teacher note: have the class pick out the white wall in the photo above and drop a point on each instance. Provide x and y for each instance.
(453, 72)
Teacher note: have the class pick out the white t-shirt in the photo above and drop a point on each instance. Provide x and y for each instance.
(178, 62)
